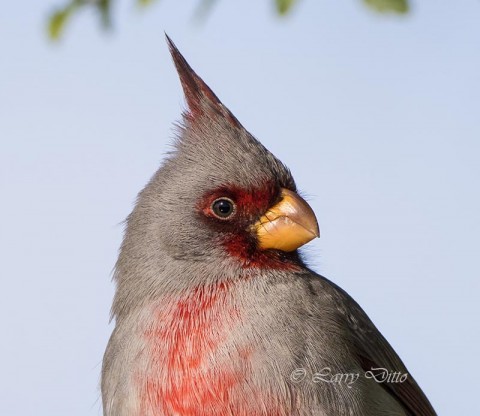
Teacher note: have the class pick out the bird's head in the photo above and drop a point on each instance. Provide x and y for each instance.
(219, 196)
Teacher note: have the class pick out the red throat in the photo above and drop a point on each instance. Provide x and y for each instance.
(250, 257)
(184, 342)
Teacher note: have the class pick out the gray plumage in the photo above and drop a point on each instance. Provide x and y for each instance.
(202, 331)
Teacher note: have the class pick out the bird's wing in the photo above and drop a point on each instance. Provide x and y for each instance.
(373, 350)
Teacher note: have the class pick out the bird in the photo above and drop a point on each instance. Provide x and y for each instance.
(216, 311)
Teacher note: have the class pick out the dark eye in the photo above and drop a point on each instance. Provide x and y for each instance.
(223, 207)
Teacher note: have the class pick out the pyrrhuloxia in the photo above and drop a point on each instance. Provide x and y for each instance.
(215, 312)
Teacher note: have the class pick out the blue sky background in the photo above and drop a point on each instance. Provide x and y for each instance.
(378, 118)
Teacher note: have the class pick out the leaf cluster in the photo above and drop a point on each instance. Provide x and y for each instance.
(60, 17)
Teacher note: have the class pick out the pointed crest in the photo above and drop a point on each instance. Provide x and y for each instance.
(198, 95)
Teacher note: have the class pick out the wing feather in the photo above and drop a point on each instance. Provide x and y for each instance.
(374, 352)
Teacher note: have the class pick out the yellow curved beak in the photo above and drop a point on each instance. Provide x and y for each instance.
(287, 225)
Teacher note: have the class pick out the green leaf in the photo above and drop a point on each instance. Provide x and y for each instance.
(398, 6)
(104, 7)
(145, 2)
(284, 6)
(59, 18)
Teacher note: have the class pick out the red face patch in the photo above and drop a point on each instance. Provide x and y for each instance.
(236, 232)
(250, 203)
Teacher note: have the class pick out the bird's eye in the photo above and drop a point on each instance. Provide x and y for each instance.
(223, 208)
